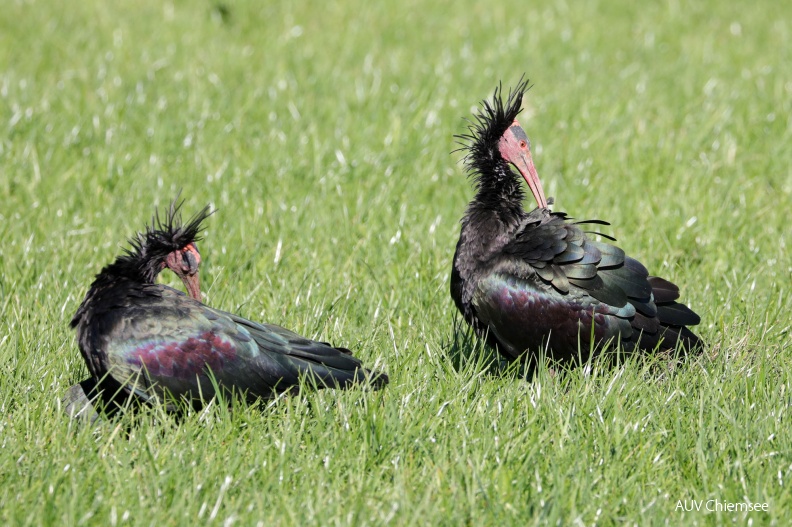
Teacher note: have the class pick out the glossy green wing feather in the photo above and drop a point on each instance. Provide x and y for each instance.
(552, 284)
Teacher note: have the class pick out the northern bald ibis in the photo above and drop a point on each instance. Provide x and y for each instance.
(154, 342)
(530, 280)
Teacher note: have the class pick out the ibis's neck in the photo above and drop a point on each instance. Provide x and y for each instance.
(132, 267)
(499, 197)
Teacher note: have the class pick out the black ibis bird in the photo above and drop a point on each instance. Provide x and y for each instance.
(154, 342)
(534, 280)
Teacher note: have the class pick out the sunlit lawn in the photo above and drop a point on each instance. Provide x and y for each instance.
(322, 133)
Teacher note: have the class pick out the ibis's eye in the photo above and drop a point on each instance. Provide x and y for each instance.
(190, 258)
(523, 144)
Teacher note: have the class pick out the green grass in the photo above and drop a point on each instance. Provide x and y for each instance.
(321, 132)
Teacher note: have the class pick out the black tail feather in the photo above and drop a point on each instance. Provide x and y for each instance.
(663, 290)
(676, 314)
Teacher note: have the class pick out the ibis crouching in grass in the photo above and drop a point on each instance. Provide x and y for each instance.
(144, 341)
(527, 281)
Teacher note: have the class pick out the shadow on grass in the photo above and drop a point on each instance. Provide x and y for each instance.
(92, 403)
(464, 350)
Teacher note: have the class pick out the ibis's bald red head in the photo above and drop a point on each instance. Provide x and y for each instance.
(496, 144)
(166, 243)
(185, 263)
(170, 244)
(515, 148)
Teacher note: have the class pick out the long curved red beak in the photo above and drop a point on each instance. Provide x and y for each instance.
(515, 148)
(193, 285)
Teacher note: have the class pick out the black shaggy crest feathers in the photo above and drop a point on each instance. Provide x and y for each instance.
(143, 261)
(164, 237)
(491, 122)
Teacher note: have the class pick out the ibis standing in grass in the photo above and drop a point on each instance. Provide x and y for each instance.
(150, 341)
(534, 280)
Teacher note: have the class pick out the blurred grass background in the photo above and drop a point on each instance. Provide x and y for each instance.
(323, 134)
